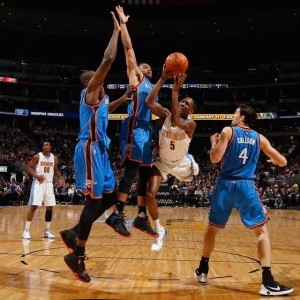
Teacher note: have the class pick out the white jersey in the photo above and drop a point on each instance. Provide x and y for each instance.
(173, 142)
(45, 167)
(173, 155)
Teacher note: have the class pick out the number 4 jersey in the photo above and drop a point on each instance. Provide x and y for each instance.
(241, 156)
(45, 167)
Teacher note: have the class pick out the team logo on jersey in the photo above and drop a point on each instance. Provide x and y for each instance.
(128, 147)
(89, 183)
(106, 101)
(148, 86)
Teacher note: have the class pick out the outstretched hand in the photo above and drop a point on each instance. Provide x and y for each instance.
(127, 96)
(166, 74)
(116, 23)
(178, 81)
(121, 14)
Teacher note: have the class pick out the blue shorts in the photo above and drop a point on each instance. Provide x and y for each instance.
(136, 141)
(239, 194)
(93, 172)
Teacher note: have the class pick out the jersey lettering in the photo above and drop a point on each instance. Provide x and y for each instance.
(243, 155)
(172, 145)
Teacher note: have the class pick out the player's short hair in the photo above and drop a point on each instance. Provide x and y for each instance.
(249, 113)
(195, 109)
(86, 75)
(142, 63)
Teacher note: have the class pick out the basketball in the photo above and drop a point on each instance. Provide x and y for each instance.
(176, 63)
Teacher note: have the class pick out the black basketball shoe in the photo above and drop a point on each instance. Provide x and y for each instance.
(77, 266)
(143, 225)
(69, 236)
(117, 222)
(273, 288)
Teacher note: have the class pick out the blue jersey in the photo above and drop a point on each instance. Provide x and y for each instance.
(93, 172)
(241, 156)
(94, 121)
(136, 132)
(138, 108)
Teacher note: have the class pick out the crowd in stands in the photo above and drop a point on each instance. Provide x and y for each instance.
(278, 187)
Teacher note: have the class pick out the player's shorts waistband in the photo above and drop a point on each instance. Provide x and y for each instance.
(171, 164)
(44, 181)
(95, 143)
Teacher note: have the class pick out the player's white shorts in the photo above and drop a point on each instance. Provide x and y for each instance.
(42, 193)
(183, 170)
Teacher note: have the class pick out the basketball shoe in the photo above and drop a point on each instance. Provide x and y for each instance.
(117, 222)
(143, 225)
(69, 236)
(26, 235)
(273, 288)
(48, 234)
(201, 275)
(158, 243)
(77, 266)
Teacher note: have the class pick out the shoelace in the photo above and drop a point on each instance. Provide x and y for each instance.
(81, 264)
(147, 221)
(83, 258)
(122, 215)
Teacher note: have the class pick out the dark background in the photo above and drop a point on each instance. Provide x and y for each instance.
(253, 46)
(221, 36)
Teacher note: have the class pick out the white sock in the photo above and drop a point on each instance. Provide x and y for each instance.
(157, 224)
(27, 225)
(48, 226)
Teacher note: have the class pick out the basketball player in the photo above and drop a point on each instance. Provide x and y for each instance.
(238, 146)
(42, 167)
(135, 139)
(174, 140)
(93, 173)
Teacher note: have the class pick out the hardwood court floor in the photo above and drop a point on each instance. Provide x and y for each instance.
(125, 268)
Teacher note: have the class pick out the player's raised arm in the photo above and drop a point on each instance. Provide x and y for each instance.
(156, 108)
(95, 90)
(180, 110)
(133, 72)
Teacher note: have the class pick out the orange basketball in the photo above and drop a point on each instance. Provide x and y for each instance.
(176, 63)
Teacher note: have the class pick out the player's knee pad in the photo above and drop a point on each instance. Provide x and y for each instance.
(144, 174)
(129, 176)
(48, 215)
